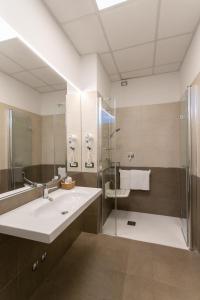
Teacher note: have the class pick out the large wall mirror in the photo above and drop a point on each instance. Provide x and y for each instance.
(32, 119)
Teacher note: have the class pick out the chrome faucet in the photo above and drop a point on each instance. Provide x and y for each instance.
(46, 190)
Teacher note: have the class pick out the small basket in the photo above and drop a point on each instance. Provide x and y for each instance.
(68, 186)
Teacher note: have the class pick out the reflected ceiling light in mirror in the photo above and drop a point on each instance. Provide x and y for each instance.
(102, 4)
(106, 117)
(9, 33)
(6, 32)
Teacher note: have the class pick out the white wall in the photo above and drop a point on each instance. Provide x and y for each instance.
(32, 21)
(15, 93)
(103, 81)
(93, 76)
(89, 105)
(156, 89)
(49, 102)
(73, 120)
(89, 72)
(191, 65)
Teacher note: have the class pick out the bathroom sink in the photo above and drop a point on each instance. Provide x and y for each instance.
(60, 205)
(43, 220)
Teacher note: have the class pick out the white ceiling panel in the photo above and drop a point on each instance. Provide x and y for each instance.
(62, 86)
(45, 89)
(28, 78)
(130, 24)
(87, 35)
(108, 63)
(48, 75)
(130, 32)
(8, 66)
(67, 10)
(167, 68)
(137, 73)
(178, 17)
(20, 53)
(139, 57)
(172, 50)
(115, 77)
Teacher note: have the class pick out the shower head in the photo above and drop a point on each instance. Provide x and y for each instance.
(115, 131)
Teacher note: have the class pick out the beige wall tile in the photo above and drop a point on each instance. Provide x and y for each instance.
(152, 133)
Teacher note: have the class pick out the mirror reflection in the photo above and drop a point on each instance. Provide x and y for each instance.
(32, 119)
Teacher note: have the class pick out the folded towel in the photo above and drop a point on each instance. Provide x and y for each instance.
(140, 180)
(125, 179)
(135, 179)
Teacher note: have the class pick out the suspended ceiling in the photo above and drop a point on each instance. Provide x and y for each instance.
(133, 39)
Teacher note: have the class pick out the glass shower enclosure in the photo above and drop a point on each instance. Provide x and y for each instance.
(186, 165)
(20, 147)
(107, 164)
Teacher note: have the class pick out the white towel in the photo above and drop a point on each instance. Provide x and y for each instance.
(125, 179)
(62, 172)
(140, 180)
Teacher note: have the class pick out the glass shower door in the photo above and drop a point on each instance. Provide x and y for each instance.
(107, 165)
(20, 146)
(185, 157)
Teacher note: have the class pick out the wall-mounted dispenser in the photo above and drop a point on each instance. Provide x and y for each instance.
(89, 141)
(72, 140)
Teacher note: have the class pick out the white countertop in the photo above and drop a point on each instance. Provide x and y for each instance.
(42, 220)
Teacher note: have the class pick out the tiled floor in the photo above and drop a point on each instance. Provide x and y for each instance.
(100, 267)
(150, 228)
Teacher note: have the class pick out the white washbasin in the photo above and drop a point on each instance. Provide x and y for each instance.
(60, 205)
(43, 220)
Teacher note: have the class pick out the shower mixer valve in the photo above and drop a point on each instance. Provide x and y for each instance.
(130, 156)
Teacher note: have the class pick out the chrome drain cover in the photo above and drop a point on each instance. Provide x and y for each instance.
(64, 212)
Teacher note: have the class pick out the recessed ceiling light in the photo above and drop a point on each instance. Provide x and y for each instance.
(6, 32)
(102, 4)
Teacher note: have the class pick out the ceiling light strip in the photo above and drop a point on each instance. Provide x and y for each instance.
(103, 4)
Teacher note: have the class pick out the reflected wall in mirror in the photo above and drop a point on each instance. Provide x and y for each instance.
(32, 118)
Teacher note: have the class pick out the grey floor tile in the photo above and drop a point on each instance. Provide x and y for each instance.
(165, 292)
(101, 267)
(138, 288)
(178, 269)
(140, 260)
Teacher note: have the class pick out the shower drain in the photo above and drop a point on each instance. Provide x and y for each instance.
(64, 212)
(131, 223)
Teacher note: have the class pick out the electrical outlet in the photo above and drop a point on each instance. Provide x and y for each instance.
(44, 256)
(35, 265)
